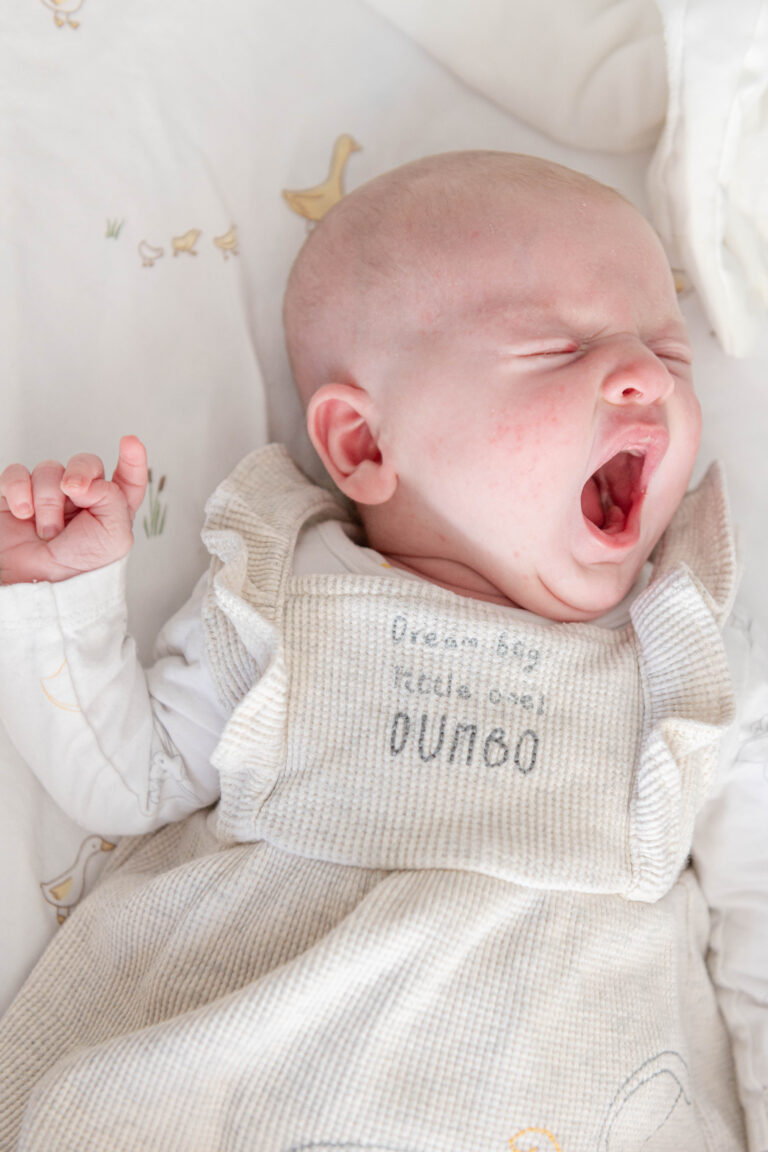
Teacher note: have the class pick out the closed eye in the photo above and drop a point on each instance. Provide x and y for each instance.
(568, 350)
(679, 358)
(674, 352)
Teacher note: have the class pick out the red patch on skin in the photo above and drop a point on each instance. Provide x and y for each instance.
(499, 433)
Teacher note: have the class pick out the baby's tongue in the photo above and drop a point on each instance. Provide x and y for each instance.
(591, 504)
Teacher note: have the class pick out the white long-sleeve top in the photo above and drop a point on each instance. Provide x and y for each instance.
(124, 751)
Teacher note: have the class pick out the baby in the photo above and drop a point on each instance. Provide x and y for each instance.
(422, 780)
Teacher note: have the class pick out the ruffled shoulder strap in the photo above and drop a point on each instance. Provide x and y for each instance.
(700, 536)
(252, 521)
(678, 623)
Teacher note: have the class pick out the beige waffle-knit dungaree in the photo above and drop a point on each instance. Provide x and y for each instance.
(443, 904)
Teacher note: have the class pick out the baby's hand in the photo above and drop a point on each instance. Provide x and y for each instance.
(58, 522)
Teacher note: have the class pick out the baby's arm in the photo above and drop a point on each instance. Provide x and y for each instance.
(121, 752)
(731, 857)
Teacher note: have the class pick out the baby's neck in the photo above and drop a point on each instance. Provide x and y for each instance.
(453, 575)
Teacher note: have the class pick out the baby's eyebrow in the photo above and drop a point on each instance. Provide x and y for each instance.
(532, 319)
(523, 316)
(673, 330)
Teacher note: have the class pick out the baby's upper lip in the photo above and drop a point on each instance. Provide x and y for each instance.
(643, 436)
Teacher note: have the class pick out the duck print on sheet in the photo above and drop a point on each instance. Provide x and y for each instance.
(63, 11)
(227, 244)
(313, 203)
(186, 244)
(659, 1088)
(67, 889)
(149, 253)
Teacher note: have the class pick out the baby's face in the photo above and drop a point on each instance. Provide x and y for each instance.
(541, 414)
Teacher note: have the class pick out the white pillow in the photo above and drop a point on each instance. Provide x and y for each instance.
(590, 73)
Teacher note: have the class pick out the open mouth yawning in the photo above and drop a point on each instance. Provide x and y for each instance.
(611, 492)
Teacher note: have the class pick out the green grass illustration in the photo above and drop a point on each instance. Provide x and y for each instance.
(113, 229)
(153, 526)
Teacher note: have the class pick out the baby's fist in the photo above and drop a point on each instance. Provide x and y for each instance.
(58, 522)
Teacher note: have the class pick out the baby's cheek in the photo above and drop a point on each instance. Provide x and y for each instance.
(504, 429)
(515, 435)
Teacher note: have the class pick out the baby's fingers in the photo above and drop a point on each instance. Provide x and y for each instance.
(100, 530)
(84, 484)
(79, 474)
(130, 475)
(16, 491)
(48, 499)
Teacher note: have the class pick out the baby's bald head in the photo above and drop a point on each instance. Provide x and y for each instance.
(381, 265)
(476, 338)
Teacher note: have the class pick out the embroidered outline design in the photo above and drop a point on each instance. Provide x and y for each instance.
(669, 1063)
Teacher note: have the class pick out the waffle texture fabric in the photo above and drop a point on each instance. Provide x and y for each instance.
(443, 904)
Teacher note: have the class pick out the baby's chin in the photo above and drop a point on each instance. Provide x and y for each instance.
(581, 602)
(573, 596)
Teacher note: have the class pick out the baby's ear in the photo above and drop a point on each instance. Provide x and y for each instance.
(341, 425)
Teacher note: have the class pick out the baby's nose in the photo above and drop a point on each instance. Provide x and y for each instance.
(636, 376)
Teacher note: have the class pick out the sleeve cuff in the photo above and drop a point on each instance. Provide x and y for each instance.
(75, 601)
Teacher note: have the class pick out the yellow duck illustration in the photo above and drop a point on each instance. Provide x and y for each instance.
(186, 243)
(313, 203)
(63, 10)
(65, 891)
(149, 253)
(227, 243)
(528, 1135)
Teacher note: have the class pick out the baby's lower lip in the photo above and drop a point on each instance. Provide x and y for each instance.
(611, 545)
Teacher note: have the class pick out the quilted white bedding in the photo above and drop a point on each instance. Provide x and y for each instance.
(145, 240)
